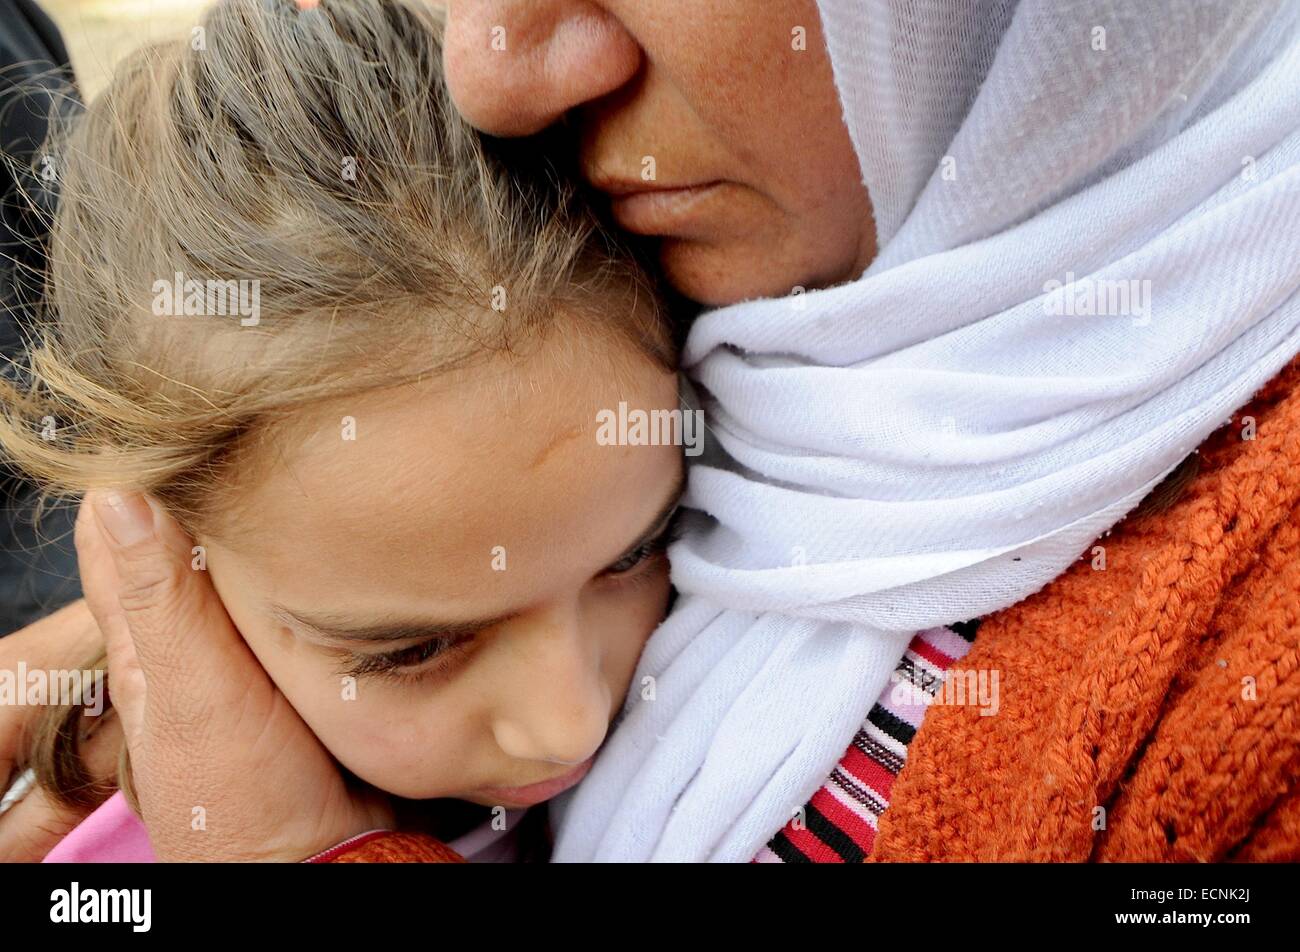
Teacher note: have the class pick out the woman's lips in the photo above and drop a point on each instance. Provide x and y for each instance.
(538, 792)
(661, 211)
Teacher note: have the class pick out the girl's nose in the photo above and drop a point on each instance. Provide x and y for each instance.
(514, 67)
(556, 705)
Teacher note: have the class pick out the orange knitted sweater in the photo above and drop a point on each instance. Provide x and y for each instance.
(1149, 704)
(1150, 709)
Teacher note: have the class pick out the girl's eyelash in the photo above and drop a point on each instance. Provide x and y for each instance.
(647, 550)
(411, 664)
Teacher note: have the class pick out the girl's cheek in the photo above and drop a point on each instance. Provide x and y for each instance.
(403, 739)
(630, 619)
(398, 738)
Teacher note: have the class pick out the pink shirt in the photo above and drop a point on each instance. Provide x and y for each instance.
(113, 834)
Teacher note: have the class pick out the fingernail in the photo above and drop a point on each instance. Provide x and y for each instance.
(126, 517)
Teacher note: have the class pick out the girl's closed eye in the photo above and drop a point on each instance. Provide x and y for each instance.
(647, 552)
(436, 657)
(428, 660)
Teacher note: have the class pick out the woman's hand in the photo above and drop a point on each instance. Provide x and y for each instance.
(224, 768)
(67, 639)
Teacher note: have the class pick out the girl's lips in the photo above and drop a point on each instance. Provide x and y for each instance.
(536, 793)
(661, 211)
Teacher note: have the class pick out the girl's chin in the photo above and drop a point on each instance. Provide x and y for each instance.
(479, 800)
(444, 817)
(468, 801)
(508, 801)
(419, 801)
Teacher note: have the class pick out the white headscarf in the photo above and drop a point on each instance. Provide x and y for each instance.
(944, 436)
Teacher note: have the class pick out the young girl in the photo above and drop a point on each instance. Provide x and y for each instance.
(295, 300)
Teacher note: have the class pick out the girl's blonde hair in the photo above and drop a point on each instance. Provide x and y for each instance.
(316, 158)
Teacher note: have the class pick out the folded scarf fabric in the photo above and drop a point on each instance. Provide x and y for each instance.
(1088, 219)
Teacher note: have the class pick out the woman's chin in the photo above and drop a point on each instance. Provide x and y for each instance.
(710, 274)
(719, 273)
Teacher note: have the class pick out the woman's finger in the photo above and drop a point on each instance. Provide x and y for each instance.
(100, 584)
(195, 701)
(223, 765)
(162, 617)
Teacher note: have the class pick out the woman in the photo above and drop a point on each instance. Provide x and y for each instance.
(1080, 262)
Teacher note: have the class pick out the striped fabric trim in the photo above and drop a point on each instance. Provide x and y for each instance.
(838, 825)
(328, 855)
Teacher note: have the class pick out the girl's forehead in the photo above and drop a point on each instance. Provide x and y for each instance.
(415, 489)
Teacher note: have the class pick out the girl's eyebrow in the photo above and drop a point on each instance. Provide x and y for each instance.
(334, 629)
(325, 628)
(657, 525)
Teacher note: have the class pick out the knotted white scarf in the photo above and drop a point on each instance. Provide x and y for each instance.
(1088, 216)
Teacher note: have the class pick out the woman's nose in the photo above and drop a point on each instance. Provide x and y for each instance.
(555, 705)
(514, 67)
